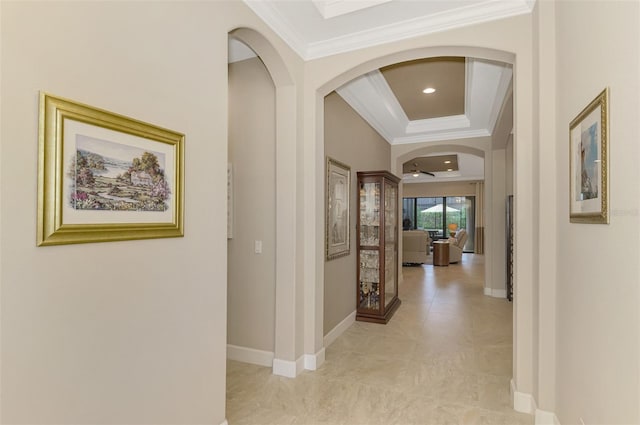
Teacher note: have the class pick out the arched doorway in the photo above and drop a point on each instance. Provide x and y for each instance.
(523, 178)
(493, 216)
(282, 326)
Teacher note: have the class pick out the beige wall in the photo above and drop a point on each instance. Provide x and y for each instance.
(251, 276)
(543, 298)
(598, 294)
(350, 140)
(121, 332)
(146, 342)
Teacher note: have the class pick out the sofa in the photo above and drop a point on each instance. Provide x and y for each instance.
(415, 246)
(456, 246)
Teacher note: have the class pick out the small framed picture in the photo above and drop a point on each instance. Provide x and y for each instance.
(588, 158)
(337, 234)
(105, 177)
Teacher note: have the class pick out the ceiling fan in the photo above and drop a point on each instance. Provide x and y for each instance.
(415, 172)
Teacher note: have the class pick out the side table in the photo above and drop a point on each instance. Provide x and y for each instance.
(441, 253)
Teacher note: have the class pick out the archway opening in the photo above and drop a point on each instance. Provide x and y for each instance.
(264, 222)
(499, 165)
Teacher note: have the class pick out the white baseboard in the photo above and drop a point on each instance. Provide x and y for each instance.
(285, 368)
(546, 418)
(314, 361)
(249, 355)
(339, 329)
(526, 403)
(288, 368)
(496, 293)
(522, 402)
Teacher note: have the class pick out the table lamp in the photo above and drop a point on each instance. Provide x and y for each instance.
(452, 229)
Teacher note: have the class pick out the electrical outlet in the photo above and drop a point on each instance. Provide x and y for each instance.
(257, 247)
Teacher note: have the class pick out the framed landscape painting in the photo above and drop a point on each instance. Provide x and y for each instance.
(105, 177)
(337, 209)
(588, 157)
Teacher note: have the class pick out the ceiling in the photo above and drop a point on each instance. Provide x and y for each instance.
(470, 93)
(318, 28)
(407, 79)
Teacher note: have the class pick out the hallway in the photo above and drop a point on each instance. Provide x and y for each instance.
(444, 358)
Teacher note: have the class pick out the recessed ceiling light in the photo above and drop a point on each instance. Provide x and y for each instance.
(447, 162)
(429, 90)
(416, 174)
(449, 169)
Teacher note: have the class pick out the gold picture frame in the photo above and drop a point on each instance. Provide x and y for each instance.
(338, 213)
(588, 163)
(106, 177)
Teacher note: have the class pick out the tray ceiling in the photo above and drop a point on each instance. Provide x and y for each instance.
(470, 93)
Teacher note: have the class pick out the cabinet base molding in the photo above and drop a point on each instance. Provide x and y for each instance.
(374, 318)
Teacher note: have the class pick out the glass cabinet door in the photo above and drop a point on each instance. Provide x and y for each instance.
(370, 214)
(377, 233)
(369, 279)
(390, 249)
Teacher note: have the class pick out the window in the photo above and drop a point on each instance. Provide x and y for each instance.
(434, 215)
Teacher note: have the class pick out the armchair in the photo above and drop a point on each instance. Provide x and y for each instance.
(456, 246)
(415, 246)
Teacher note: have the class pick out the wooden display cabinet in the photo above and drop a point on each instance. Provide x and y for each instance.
(377, 244)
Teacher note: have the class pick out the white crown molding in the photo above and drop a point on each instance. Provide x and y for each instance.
(332, 8)
(372, 98)
(438, 124)
(426, 179)
(378, 106)
(436, 137)
(468, 65)
(504, 86)
(387, 97)
(469, 15)
(487, 11)
(281, 26)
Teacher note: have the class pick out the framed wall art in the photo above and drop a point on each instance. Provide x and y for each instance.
(338, 192)
(105, 177)
(588, 157)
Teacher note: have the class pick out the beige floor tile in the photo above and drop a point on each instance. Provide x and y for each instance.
(444, 358)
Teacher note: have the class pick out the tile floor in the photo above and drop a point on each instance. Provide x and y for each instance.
(444, 358)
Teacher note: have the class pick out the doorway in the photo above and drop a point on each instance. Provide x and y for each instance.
(437, 214)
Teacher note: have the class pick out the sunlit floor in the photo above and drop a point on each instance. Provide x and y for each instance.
(444, 358)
